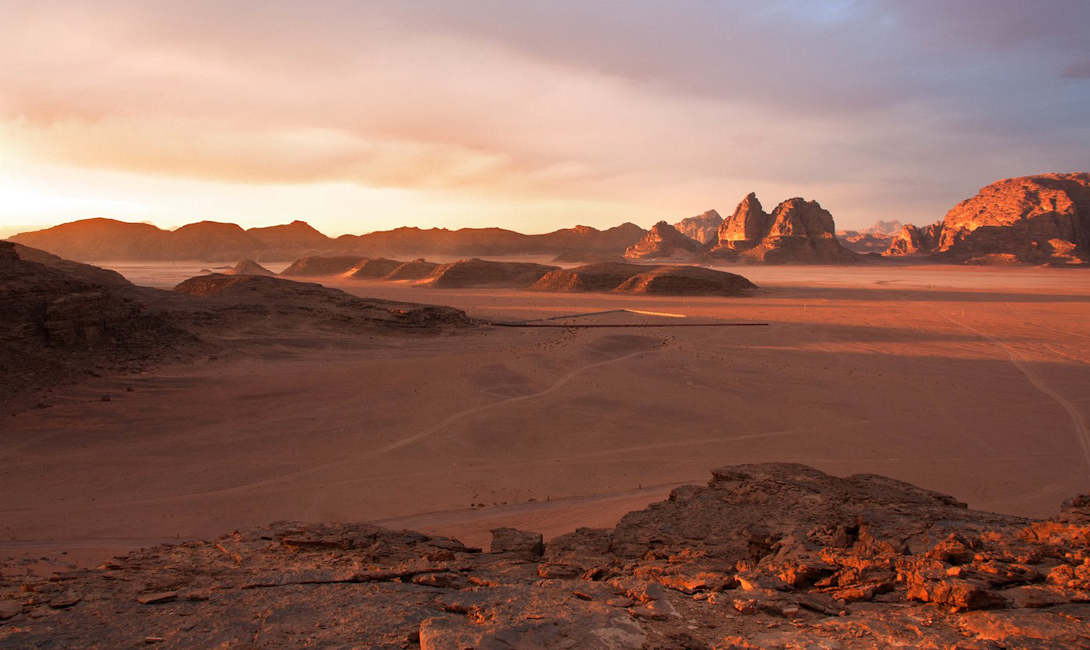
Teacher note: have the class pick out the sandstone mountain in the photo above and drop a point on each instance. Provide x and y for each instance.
(875, 239)
(703, 228)
(764, 557)
(111, 240)
(797, 231)
(289, 237)
(1035, 219)
(913, 240)
(663, 241)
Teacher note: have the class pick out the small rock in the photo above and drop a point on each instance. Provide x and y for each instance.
(157, 598)
(520, 542)
(63, 601)
(105, 398)
(10, 608)
(558, 571)
(745, 605)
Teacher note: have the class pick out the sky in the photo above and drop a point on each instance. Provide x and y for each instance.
(358, 115)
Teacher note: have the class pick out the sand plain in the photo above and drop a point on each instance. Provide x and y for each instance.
(973, 381)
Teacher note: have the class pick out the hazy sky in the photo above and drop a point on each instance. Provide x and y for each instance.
(357, 115)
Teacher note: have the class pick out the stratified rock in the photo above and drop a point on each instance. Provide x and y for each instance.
(1036, 219)
(703, 228)
(913, 240)
(745, 228)
(661, 242)
(797, 231)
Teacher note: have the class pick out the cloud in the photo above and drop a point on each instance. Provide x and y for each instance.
(876, 107)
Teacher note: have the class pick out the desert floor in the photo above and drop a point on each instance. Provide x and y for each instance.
(970, 381)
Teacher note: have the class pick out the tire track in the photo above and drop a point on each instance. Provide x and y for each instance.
(1076, 415)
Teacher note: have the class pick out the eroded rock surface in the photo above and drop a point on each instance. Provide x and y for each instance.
(663, 241)
(797, 231)
(769, 557)
(703, 228)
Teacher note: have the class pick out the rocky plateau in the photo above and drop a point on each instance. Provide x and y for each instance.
(768, 557)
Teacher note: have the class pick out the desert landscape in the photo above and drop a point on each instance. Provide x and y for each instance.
(545, 326)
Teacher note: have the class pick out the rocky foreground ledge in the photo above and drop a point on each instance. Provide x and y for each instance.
(766, 556)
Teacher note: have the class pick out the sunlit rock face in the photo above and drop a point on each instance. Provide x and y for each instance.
(797, 231)
(913, 240)
(771, 556)
(662, 241)
(1035, 219)
(703, 228)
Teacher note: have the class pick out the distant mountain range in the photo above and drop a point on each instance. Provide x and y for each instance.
(1031, 219)
(111, 240)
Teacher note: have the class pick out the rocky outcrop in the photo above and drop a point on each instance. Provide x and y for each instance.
(1034, 219)
(604, 276)
(417, 269)
(875, 239)
(913, 240)
(663, 241)
(287, 301)
(109, 239)
(797, 231)
(60, 320)
(764, 557)
(374, 269)
(703, 228)
(318, 266)
(685, 281)
(248, 267)
(486, 273)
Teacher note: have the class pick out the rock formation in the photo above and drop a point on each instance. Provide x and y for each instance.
(373, 269)
(703, 228)
(417, 269)
(108, 239)
(913, 240)
(685, 281)
(318, 266)
(661, 242)
(248, 267)
(603, 276)
(291, 237)
(291, 302)
(875, 239)
(796, 231)
(1036, 219)
(60, 320)
(765, 557)
(485, 273)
